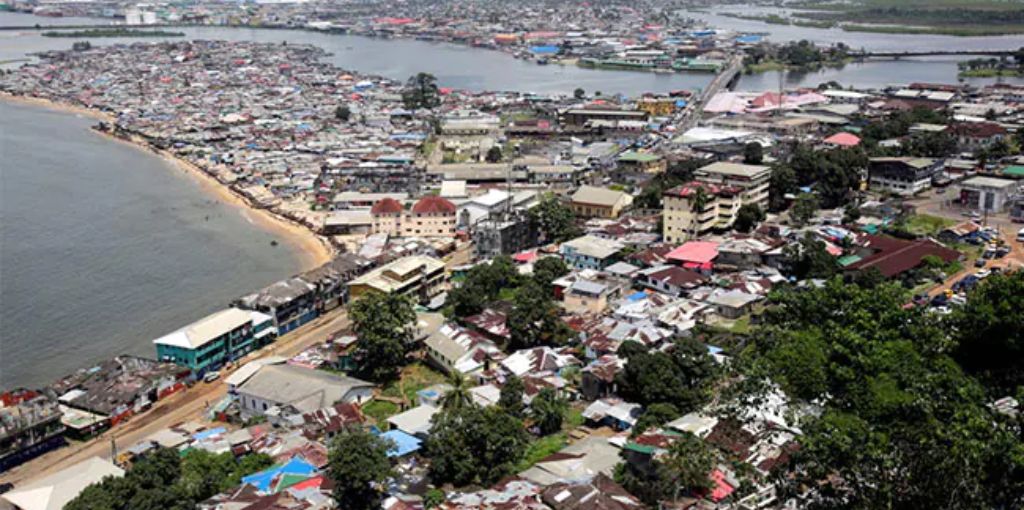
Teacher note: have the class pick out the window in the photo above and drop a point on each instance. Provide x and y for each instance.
(264, 406)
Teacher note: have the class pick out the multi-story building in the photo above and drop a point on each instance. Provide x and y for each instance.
(681, 219)
(291, 303)
(418, 276)
(902, 176)
(212, 341)
(431, 216)
(751, 180)
(505, 236)
(30, 425)
(590, 252)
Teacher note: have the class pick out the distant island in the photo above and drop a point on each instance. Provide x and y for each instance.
(114, 32)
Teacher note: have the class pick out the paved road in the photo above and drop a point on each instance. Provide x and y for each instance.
(188, 405)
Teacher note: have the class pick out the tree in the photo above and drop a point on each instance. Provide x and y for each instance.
(511, 396)
(343, 113)
(534, 320)
(555, 220)
(655, 415)
(899, 425)
(579, 93)
(783, 182)
(433, 498)
(753, 153)
(421, 91)
(681, 378)
(549, 269)
(803, 209)
(358, 465)
(547, 410)
(383, 324)
(748, 217)
(473, 445)
(809, 258)
(482, 284)
(493, 154)
(698, 202)
(990, 333)
(458, 396)
(688, 464)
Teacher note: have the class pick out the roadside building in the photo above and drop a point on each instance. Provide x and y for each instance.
(902, 176)
(290, 302)
(212, 341)
(120, 387)
(751, 180)
(431, 216)
(387, 215)
(297, 390)
(594, 202)
(972, 136)
(30, 425)
(590, 252)
(893, 257)
(987, 194)
(57, 490)
(508, 234)
(418, 276)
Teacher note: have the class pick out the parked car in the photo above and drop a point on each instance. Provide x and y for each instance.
(979, 263)
(211, 376)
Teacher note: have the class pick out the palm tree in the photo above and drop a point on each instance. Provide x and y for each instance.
(698, 202)
(458, 397)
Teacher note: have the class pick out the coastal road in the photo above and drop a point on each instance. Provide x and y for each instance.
(188, 405)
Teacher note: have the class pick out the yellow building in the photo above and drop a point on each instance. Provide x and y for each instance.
(594, 202)
(726, 187)
(419, 276)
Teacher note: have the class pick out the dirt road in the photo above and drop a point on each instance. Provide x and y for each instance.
(188, 405)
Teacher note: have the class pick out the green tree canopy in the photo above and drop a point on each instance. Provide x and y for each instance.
(384, 326)
(482, 285)
(748, 217)
(990, 333)
(474, 446)
(681, 378)
(803, 209)
(753, 153)
(548, 269)
(809, 258)
(534, 319)
(358, 465)
(421, 91)
(511, 396)
(547, 410)
(900, 425)
(554, 219)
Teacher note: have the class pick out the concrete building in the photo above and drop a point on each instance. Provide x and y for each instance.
(681, 220)
(57, 490)
(751, 180)
(297, 390)
(430, 216)
(590, 252)
(987, 194)
(594, 202)
(902, 176)
(419, 276)
(216, 339)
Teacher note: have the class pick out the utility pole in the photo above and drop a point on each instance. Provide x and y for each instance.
(113, 449)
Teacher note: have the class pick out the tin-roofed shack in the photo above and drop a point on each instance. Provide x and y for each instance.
(120, 387)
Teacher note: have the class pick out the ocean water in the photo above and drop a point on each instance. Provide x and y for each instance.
(104, 247)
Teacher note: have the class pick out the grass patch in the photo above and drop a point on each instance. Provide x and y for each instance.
(379, 411)
(573, 418)
(541, 448)
(927, 225)
(764, 67)
(990, 73)
(414, 378)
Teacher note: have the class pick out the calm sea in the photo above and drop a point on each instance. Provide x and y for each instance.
(104, 247)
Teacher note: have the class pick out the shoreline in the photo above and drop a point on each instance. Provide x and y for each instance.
(311, 249)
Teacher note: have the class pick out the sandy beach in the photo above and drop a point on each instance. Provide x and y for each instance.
(313, 250)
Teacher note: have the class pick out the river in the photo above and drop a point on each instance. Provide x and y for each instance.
(105, 246)
(478, 69)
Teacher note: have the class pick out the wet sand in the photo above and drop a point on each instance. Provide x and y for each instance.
(313, 250)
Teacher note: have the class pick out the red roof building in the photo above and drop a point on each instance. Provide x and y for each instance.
(433, 206)
(843, 140)
(694, 254)
(892, 256)
(388, 206)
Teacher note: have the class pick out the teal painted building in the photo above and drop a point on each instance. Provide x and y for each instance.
(212, 341)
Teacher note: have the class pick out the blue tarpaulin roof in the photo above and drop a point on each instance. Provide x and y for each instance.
(296, 466)
(749, 39)
(546, 50)
(680, 103)
(637, 296)
(404, 443)
(199, 436)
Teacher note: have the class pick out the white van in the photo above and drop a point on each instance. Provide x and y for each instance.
(1020, 235)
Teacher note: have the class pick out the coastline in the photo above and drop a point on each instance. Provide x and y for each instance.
(312, 250)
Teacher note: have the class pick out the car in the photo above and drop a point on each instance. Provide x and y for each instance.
(1020, 235)
(984, 273)
(211, 376)
(979, 263)
(6, 487)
